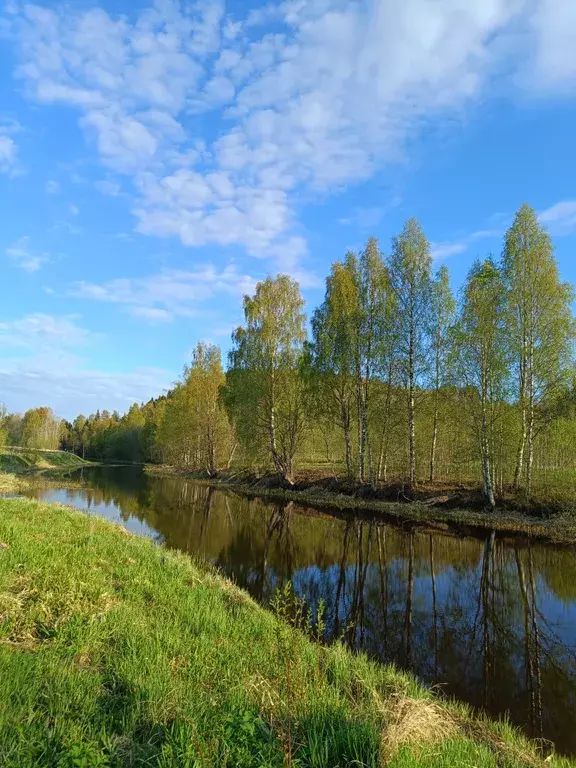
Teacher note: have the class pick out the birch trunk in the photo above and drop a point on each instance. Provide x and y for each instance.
(434, 438)
(359, 395)
(411, 375)
(348, 444)
(522, 402)
(485, 448)
(384, 440)
(530, 424)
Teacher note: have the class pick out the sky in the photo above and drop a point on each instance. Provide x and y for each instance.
(157, 160)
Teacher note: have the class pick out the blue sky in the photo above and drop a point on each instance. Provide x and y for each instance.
(156, 161)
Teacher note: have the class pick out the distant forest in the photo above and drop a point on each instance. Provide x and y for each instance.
(397, 379)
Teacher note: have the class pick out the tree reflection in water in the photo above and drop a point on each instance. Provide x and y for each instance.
(492, 621)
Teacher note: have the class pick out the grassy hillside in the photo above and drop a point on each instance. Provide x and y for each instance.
(116, 652)
(24, 461)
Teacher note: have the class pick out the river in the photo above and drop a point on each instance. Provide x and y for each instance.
(491, 621)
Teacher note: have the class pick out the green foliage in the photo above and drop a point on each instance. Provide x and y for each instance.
(194, 431)
(410, 268)
(541, 330)
(441, 325)
(264, 390)
(484, 358)
(410, 271)
(40, 429)
(331, 358)
(441, 322)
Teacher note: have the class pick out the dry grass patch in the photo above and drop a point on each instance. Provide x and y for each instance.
(415, 723)
(421, 723)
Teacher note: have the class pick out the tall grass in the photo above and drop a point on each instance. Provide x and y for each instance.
(117, 652)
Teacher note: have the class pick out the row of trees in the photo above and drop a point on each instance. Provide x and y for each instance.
(389, 331)
(395, 372)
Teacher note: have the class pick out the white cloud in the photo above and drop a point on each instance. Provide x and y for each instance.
(63, 225)
(162, 296)
(110, 188)
(368, 217)
(8, 154)
(445, 250)
(326, 100)
(74, 210)
(42, 331)
(9, 163)
(152, 314)
(560, 218)
(39, 364)
(69, 387)
(52, 187)
(23, 256)
(553, 26)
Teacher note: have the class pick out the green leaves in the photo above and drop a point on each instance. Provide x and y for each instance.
(263, 386)
(541, 329)
(195, 431)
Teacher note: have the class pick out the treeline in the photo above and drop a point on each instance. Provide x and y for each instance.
(37, 428)
(396, 379)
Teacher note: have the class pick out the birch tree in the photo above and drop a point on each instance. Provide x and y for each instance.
(410, 266)
(442, 309)
(376, 314)
(331, 354)
(263, 384)
(483, 359)
(541, 330)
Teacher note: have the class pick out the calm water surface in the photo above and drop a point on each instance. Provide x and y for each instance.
(491, 621)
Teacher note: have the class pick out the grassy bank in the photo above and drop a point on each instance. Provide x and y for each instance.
(433, 508)
(31, 461)
(20, 469)
(115, 652)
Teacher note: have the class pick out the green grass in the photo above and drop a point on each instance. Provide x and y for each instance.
(27, 461)
(117, 652)
(24, 468)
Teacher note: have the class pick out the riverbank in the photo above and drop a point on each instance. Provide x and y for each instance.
(21, 469)
(30, 461)
(430, 507)
(116, 651)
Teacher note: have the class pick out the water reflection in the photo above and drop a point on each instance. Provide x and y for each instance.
(493, 622)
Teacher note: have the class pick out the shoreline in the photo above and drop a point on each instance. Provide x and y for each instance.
(556, 529)
(436, 511)
(207, 674)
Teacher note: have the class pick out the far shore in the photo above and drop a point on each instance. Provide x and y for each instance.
(447, 507)
(441, 506)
